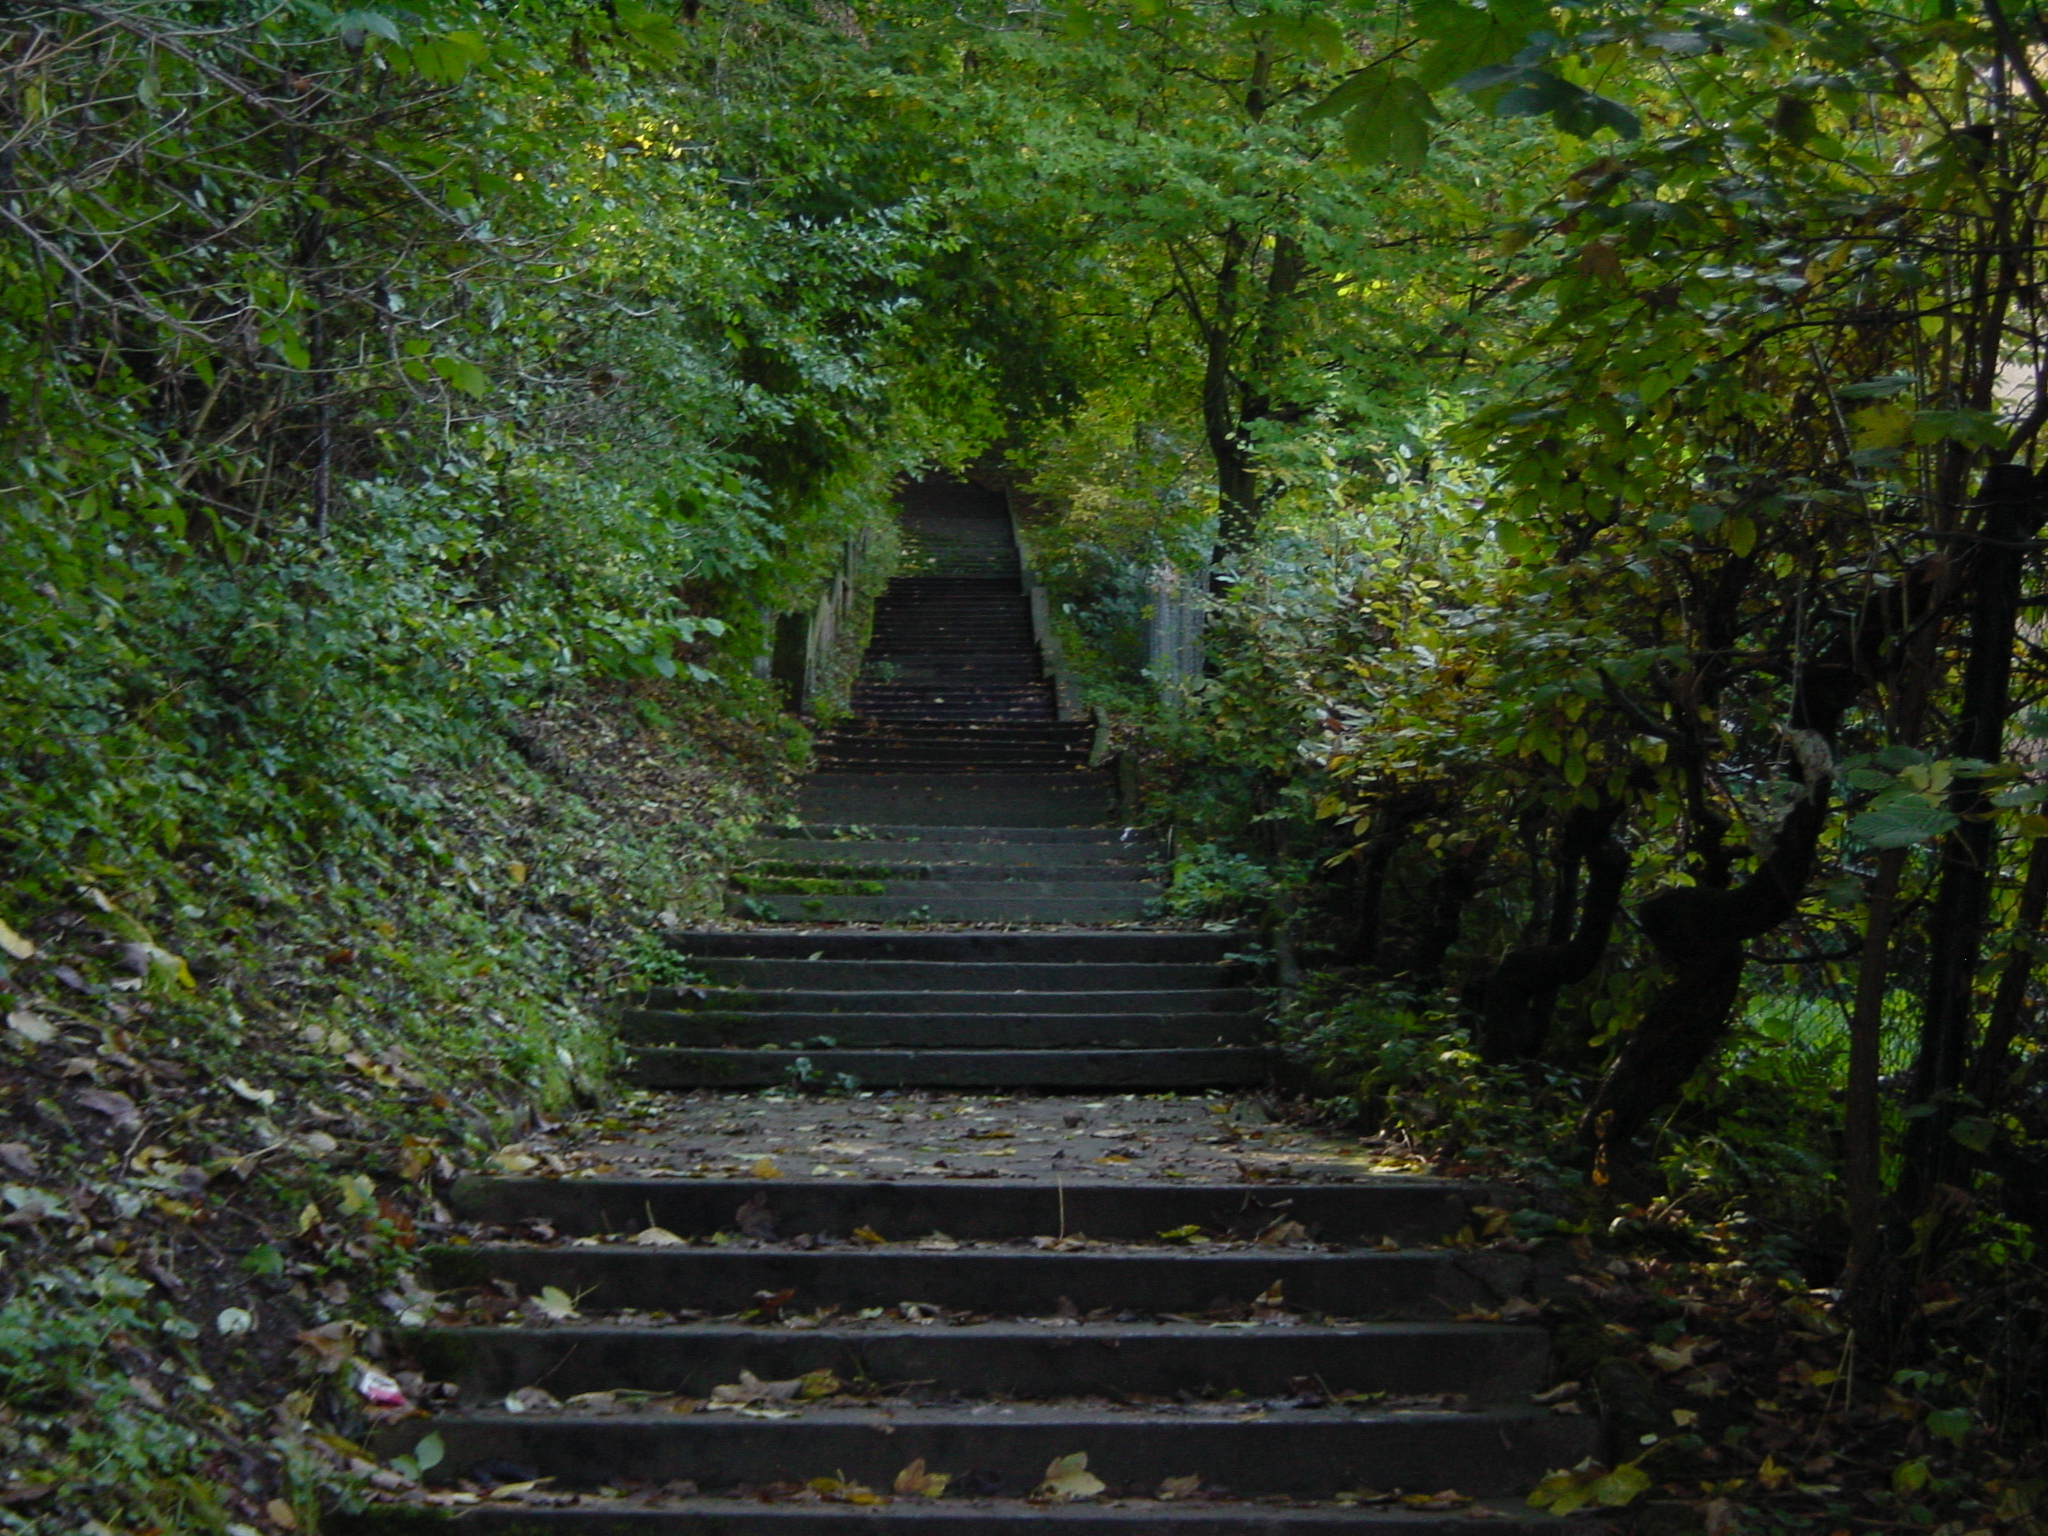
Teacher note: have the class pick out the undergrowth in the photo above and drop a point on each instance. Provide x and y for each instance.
(232, 1082)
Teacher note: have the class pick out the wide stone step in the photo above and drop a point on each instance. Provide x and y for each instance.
(936, 906)
(986, 837)
(594, 1515)
(1308, 1452)
(1404, 1208)
(1105, 854)
(924, 875)
(844, 968)
(910, 759)
(994, 1281)
(1059, 1358)
(957, 1031)
(1079, 799)
(1094, 1069)
(981, 884)
(1222, 1002)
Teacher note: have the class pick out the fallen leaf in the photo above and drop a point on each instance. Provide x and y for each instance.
(1181, 1487)
(556, 1303)
(1449, 1498)
(868, 1235)
(765, 1169)
(329, 1346)
(33, 1029)
(235, 1320)
(1069, 1478)
(26, 1207)
(17, 946)
(659, 1237)
(117, 1107)
(526, 1399)
(512, 1160)
(377, 1389)
(754, 1220)
(840, 1491)
(242, 1089)
(1283, 1234)
(282, 1515)
(914, 1482)
(938, 1242)
(16, 1155)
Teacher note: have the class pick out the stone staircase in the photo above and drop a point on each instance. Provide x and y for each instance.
(674, 1353)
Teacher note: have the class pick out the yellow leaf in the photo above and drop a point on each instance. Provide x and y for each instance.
(914, 1482)
(15, 945)
(765, 1169)
(868, 1235)
(1069, 1478)
(1881, 426)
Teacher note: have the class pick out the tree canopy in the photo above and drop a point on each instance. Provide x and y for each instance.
(1606, 434)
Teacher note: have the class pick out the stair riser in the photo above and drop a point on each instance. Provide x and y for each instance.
(1217, 1003)
(946, 1517)
(1103, 855)
(1408, 1209)
(796, 973)
(1302, 1454)
(1487, 1365)
(918, 876)
(852, 1031)
(1091, 1070)
(940, 909)
(998, 1282)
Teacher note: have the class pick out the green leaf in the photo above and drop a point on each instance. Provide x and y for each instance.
(1903, 822)
(1976, 1132)
(1574, 109)
(1387, 117)
(462, 374)
(373, 22)
(1951, 1424)
(447, 59)
(429, 1453)
(1466, 36)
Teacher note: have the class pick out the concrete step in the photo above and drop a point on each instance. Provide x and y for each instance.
(1091, 1069)
(978, 884)
(1105, 854)
(997, 1281)
(1309, 1452)
(938, 907)
(1076, 799)
(985, 837)
(1406, 1208)
(926, 1029)
(787, 972)
(595, 1515)
(1490, 1363)
(1059, 956)
(923, 875)
(1208, 1002)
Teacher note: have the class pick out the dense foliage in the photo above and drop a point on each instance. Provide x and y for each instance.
(1605, 434)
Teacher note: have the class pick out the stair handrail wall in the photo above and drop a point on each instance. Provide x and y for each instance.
(1065, 690)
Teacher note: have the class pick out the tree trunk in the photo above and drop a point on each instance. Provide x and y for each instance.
(1515, 1001)
(2012, 509)
(1862, 1150)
